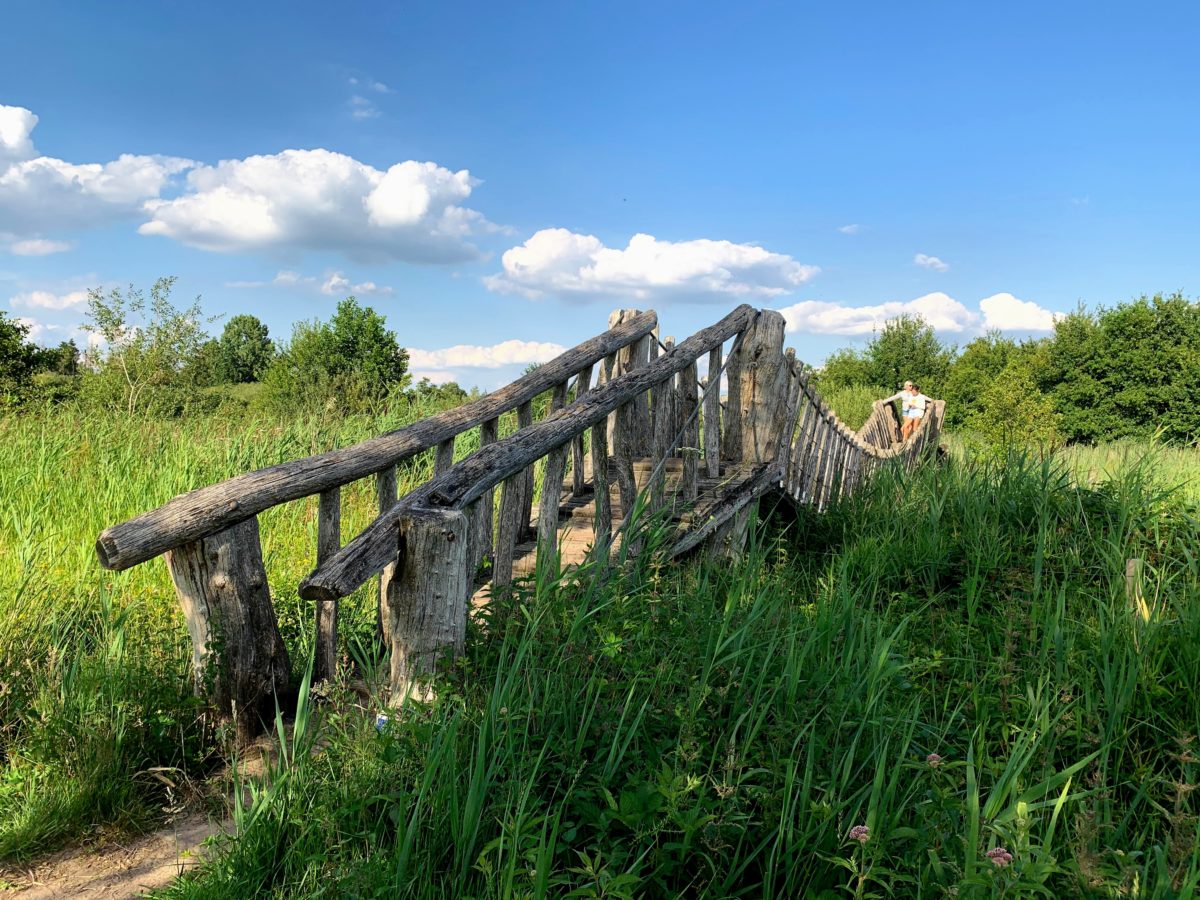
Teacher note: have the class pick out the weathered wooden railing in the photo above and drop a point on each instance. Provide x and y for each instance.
(619, 411)
(828, 460)
(210, 536)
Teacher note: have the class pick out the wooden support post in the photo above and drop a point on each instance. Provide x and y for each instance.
(445, 456)
(633, 356)
(731, 437)
(239, 660)
(507, 528)
(524, 420)
(552, 484)
(712, 415)
(428, 599)
(663, 408)
(602, 523)
(622, 457)
(578, 448)
(689, 402)
(484, 508)
(788, 437)
(766, 380)
(385, 493)
(329, 541)
(800, 453)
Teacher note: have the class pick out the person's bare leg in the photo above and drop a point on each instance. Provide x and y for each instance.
(908, 428)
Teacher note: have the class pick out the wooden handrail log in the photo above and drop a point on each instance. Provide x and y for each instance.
(208, 510)
(375, 547)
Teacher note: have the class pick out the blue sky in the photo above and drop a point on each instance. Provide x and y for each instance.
(480, 172)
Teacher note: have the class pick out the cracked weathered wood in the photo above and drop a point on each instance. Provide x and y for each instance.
(766, 382)
(712, 414)
(556, 466)
(484, 510)
(444, 457)
(207, 510)
(602, 522)
(760, 480)
(239, 660)
(731, 428)
(578, 448)
(364, 555)
(329, 541)
(524, 420)
(385, 495)
(689, 403)
(427, 601)
(507, 527)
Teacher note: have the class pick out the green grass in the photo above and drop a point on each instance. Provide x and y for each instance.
(707, 729)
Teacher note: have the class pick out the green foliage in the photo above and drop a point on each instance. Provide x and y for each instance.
(1130, 371)
(845, 368)
(352, 362)
(18, 360)
(907, 349)
(1012, 411)
(975, 370)
(149, 345)
(944, 668)
(245, 350)
(855, 403)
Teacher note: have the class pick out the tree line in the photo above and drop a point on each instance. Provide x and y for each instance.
(149, 356)
(1129, 371)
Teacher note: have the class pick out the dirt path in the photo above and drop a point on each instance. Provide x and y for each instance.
(120, 869)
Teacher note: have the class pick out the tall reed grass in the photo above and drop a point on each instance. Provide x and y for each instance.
(938, 687)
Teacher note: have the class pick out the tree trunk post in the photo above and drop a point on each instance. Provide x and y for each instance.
(385, 492)
(428, 598)
(329, 541)
(240, 662)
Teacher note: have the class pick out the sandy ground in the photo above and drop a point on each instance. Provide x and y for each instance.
(119, 869)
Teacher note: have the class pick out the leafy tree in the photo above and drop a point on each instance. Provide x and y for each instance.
(246, 350)
(18, 359)
(908, 350)
(975, 370)
(1129, 371)
(149, 343)
(844, 368)
(60, 360)
(351, 362)
(1012, 410)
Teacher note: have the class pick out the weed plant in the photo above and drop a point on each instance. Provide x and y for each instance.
(938, 687)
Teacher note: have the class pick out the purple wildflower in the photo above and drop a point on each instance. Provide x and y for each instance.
(999, 857)
(934, 760)
(860, 833)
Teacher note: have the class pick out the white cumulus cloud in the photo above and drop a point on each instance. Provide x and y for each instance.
(16, 130)
(853, 228)
(49, 300)
(561, 263)
(473, 356)
(41, 332)
(1006, 313)
(39, 247)
(318, 199)
(41, 193)
(941, 311)
(930, 262)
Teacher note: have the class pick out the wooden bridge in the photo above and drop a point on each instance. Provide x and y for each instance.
(628, 426)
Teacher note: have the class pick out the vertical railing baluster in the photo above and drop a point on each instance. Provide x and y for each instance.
(578, 447)
(688, 403)
(552, 483)
(712, 415)
(524, 420)
(329, 541)
(444, 458)
(602, 519)
(385, 494)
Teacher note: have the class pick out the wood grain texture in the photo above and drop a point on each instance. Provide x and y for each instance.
(210, 509)
(579, 469)
(712, 415)
(329, 541)
(689, 413)
(385, 495)
(239, 660)
(427, 602)
(368, 552)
